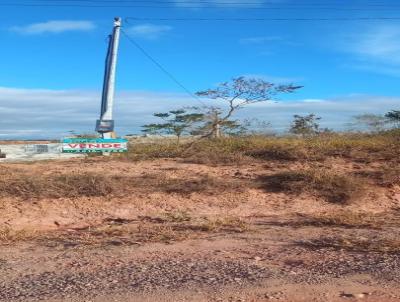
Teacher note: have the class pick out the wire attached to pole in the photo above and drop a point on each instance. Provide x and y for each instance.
(162, 68)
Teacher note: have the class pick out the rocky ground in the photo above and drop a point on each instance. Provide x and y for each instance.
(252, 267)
(234, 245)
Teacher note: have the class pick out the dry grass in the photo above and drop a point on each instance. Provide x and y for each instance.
(218, 159)
(177, 216)
(386, 176)
(323, 183)
(177, 225)
(328, 185)
(349, 219)
(355, 244)
(8, 235)
(181, 221)
(160, 149)
(390, 176)
(204, 184)
(25, 186)
(164, 233)
(226, 224)
(234, 150)
(57, 186)
(167, 227)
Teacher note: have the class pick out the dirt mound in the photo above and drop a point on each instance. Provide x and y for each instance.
(83, 192)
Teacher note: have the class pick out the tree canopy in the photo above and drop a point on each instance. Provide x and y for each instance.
(393, 117)
(240, 92)
(305, 125)
(176, 122)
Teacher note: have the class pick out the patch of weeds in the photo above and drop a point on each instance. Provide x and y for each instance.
(177, 216)
(225, 224)
(217, 158)
(100, 235)
(85, 184)
(387, 176)
(360, 147)
(346, 219)
(8, 236)
(355, 244)
(57, 186)
(161, 233)
(332, 187)
(390, 177)
(75, 185)
(168, 227)
(279, 152)
(203, 184)
(22, 186)
(188, 186)
(157, 149)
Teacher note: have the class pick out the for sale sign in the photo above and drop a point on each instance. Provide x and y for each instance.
(89, 145)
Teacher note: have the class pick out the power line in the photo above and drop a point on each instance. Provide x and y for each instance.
(260, 7)
(214, 3)
(196, 7)
(215, 8)
(268, 19)
(225, 5)
(162, 68)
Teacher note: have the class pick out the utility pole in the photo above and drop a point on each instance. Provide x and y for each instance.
(105, 125)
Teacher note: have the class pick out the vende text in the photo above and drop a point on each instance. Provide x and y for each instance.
(95, 146)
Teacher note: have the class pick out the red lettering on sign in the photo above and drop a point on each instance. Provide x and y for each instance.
(93, 146)
(96, 146)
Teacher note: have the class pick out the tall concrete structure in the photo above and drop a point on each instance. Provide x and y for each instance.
(105, 125)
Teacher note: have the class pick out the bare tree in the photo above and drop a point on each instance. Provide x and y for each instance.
(213, 124)
(240, 92)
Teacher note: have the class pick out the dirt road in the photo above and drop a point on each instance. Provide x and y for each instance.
(272, 262)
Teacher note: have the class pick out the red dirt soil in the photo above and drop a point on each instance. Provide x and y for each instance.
(94, 248)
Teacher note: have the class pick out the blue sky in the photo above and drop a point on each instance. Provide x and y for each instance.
(52, 60)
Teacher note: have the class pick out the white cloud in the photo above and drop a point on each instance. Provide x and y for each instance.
(52, 113)
(267, 45)
(336, 113)
(54, 27)
(380, 43)
(313, 101)
(40, 113)
(260, 40)
(149, 31)
(376, 48)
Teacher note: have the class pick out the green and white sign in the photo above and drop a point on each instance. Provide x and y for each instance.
(90, 145)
